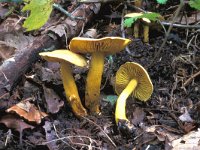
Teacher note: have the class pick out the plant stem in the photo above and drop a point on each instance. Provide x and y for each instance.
(168, 32)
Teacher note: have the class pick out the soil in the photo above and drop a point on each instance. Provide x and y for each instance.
(169, 73)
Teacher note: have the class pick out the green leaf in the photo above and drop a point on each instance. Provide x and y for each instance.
(129, 21)
(40, 11)
(195, 4)
(110, 98)
(151, 16)
(161, 1)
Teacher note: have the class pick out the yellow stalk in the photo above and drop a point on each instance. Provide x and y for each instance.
(71, 90)
(136, 29)
(93, 82)
(146, 33)
(120, 111)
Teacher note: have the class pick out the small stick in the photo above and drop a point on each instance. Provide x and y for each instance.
(191, 78)
(168, 32)
(102, 131)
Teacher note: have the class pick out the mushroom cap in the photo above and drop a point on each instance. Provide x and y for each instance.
(107, 45)
(64, 55)
(130, 15)
(132, 70)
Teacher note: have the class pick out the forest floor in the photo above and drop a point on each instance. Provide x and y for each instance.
(168, 120)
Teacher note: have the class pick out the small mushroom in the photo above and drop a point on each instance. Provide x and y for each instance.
(131, 78)
(65, 58)
(99, 48)
(145, 22)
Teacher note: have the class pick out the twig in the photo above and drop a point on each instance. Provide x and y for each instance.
(60, 137)
(59, 7)
(191, 78)
(181, 25)
(69, 137)
(168, 32)
(102, 131)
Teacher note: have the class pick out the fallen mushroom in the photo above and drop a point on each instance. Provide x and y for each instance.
(131, 78)
(65, 57)
(145, 22)
(99, 49)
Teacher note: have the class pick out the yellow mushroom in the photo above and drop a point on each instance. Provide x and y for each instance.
(144, 21)
(131, 78)
(99, 48)
(65, 57)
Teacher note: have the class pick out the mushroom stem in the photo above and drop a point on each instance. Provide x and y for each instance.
(136, 29)
(93, 82)
(146, 33)
(71, 90)
(120, 111)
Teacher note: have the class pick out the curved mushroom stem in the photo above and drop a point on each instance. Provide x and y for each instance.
(93, 82)
(120, 111)
(71, 90)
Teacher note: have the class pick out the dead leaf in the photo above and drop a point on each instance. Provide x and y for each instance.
(185, 117)
(28, 111)
(50, 136)
(14, 122)
(3, 12)
(60, 29)
(53, 101)
(51, 74)
(138, 116)
(91, 33)
(18, 40)
(187, 142)
(6, 51)
(11, 25)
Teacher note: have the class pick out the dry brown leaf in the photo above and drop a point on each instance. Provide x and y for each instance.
(6, 51)
(50, 136)
(60, 30)
(15, 122)
(187, 142)
(53, 101)
(91, 33)
(28, 111)
(138, 116)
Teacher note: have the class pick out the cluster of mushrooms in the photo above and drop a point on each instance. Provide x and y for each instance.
(131, 78)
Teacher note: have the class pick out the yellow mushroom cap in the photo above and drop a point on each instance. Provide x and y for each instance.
(107, 45)
(129, 71)
(130, 15)
(64, 55)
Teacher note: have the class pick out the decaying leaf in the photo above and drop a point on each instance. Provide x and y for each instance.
(5, 51)
(91, 33)
(188, 141)
(53, 101)
(60, 30)
(28, 111)
(15, 122)
(185, 117)
(18, 40)
(50, 136)
(3, 12)
(138, 116)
